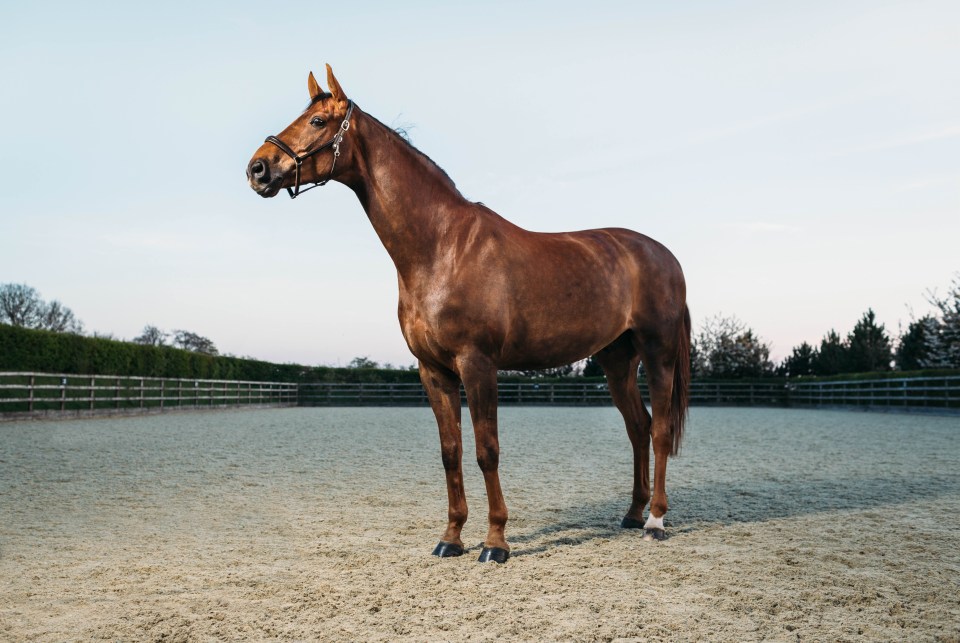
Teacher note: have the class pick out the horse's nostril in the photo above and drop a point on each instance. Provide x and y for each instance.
(258, 171)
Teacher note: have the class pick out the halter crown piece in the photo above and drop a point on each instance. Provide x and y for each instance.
(299, 159)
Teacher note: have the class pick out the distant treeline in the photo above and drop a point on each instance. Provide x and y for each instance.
(24, 349)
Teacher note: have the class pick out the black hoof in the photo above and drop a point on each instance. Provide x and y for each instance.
(655, 534)
(631, 523)
(495, 554)
(445, 550)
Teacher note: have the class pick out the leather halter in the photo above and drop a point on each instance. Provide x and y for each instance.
(299, 159)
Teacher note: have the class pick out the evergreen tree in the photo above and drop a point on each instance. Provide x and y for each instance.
(832, 357)
(914, 347)
(802, 361)
(868, 346)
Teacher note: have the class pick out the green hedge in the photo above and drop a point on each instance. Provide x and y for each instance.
(22, 349)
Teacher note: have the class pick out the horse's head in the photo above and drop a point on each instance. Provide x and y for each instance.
(308, 149)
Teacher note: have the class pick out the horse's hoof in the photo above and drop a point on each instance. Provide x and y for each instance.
(655, 534)
(494, 554)
(445, 550)
(631, 523)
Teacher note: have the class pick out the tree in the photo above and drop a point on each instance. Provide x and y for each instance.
(60, 319)
(868, 346)
(726, 347)
(914, 347)
(944, 340)
(801, 361)
(151, 336)
(192, 342)
(832, 357)
(21, 305)
(362, 362)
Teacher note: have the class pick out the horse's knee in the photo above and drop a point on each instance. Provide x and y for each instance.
(451, 454)
(488, 456)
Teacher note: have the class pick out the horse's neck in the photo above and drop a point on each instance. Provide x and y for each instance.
(411, 203)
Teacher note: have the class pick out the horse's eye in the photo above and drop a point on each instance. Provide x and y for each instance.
(316, 121)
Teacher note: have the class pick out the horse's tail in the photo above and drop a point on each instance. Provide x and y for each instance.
(681, 385)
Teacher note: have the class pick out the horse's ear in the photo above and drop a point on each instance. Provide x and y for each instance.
(313, 87)
(335, 89)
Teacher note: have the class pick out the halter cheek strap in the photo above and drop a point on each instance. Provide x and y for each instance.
(299, 159)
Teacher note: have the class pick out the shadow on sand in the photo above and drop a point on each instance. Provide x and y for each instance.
(721, 504)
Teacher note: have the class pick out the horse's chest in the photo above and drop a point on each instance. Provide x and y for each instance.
(433, 324)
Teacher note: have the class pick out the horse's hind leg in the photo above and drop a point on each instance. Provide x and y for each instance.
(619, 361)
(660, 363)
(443, 391)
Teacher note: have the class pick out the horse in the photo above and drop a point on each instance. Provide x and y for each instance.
(478, 294)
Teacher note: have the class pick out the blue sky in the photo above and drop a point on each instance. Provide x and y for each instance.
(802, 160)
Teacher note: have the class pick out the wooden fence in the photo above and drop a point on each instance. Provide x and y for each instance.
(39, 394)
(911, 393)
(536, 393)
(31, 394)
(940, 393)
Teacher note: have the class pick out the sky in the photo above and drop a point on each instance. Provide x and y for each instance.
(802, 160)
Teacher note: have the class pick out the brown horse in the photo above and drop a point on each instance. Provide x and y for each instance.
(478, 294)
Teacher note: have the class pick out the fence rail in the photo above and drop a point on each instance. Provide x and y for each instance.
(534, 393)
(34, 394)
(914, 393)
(31, 394)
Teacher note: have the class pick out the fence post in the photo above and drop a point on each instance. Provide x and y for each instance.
(33, 381)
(93, 390)
(163, 389)
(141, 392)
(63, 393)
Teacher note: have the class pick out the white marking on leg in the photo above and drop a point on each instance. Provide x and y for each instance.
(654, 523)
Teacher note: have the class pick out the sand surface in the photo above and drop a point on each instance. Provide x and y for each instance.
(317, 524)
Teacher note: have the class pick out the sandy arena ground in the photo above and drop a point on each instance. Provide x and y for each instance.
(317, 524)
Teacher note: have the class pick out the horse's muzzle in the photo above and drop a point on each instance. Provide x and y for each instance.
(258, 175)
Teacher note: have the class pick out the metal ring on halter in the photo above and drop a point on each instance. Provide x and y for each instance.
(333, 142)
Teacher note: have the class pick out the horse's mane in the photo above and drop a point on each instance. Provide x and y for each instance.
(406, 141)
(401, 134)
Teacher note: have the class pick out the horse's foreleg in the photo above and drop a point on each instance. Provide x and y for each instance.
(480, 382)
(443, 391)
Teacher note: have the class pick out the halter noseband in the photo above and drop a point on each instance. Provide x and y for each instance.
(333, 142)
